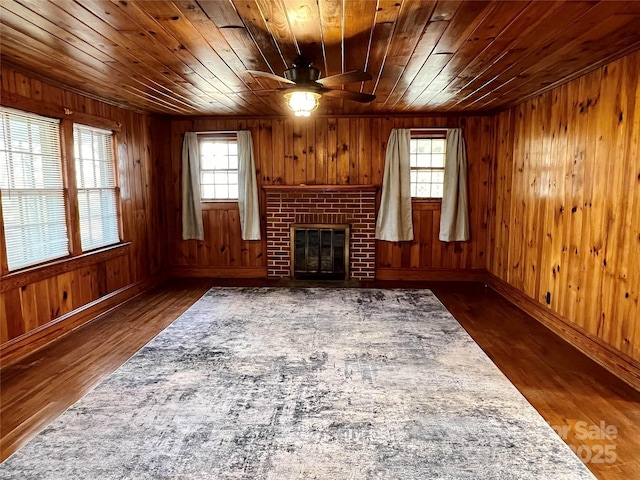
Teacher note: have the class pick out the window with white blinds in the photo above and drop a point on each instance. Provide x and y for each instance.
(96, 181)
(33, 204)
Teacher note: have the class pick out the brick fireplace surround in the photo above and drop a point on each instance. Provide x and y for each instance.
(324, 204)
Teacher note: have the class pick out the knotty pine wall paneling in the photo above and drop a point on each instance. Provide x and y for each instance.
(565, 207)
(40, 303)
(335, 151)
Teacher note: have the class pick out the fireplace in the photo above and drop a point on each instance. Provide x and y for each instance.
(320, 251)
(321, 211)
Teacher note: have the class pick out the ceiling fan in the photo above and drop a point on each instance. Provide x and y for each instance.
(307, 86)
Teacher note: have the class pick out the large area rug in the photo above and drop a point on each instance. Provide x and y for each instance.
(285, 383)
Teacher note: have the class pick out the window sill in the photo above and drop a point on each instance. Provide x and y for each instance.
(61, 265)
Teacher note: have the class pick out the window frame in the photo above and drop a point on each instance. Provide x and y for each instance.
(75, 255)
(427, 133)
(216, 135)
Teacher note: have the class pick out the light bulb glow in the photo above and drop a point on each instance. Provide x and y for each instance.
(302, 103)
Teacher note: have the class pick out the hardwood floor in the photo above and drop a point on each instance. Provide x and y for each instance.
(573, 393)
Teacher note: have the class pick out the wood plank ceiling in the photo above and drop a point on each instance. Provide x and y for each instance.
(189, 57)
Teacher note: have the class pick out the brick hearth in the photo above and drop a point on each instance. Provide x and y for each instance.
(326, 204)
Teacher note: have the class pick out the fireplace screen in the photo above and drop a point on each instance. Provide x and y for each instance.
(320, 252)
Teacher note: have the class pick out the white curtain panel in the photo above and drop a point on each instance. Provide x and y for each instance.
(247, 188)
(192, 227)
(454, 219)
(395, 222)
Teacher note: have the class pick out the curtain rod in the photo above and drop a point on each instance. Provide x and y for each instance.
(420, 129)
(217, 131)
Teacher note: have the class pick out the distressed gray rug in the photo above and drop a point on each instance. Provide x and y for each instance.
(285, 383)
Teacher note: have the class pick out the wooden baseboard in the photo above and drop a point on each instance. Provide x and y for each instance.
(216, 272)
(433, 274)
(19, 347)
(618, 363)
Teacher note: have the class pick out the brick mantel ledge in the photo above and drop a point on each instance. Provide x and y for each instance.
(321, 188)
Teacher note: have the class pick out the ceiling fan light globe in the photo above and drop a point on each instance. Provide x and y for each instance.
(302, 103)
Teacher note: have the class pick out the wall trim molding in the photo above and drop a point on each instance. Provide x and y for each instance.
(618, 363)
(19, 347)
(432, 274)
(188, 271)
(454, 116)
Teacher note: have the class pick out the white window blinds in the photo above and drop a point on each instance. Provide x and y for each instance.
(33, 208)
(96, 181)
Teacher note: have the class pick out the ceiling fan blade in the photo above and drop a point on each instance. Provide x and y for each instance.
(349, 95)
(277, 78)
(342, 78)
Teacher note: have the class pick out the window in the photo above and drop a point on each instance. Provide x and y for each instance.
(33, 202)
(218, 166)
(32, 188)
(426, 158)
(96, 182)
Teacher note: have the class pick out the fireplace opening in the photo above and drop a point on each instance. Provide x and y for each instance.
(320, 252)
